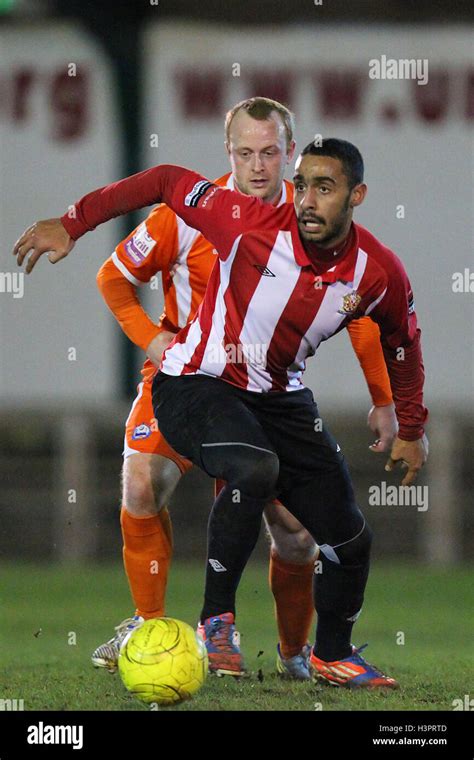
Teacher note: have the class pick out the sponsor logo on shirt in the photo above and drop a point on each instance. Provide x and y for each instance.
(411, 304)
(350, 303)
(141, 431)
(199, 189)
(140, 245)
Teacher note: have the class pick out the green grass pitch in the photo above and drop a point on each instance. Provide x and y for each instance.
(53, 617)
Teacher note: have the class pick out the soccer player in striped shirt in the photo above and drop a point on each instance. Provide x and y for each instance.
(265, 441)
(259, 138)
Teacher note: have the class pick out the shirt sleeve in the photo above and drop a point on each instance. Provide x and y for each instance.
(221, 215)
(152, 247)
(149, 249)
(365, 338)
(394, 312)
(120, 296)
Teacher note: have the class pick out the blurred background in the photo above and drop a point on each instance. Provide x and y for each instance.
(84, 88)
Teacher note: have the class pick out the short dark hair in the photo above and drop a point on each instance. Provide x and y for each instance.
(347, 153)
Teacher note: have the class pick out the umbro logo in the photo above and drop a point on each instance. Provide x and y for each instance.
(217, 566)
(264, 270)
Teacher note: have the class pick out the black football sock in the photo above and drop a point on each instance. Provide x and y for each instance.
(338, 595)
(333, 637)
(251, 473)
(233, 531)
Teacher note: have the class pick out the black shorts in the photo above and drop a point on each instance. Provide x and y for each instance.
(197, 411)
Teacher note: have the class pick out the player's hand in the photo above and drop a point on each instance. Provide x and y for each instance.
(47, 236)
(410, 454)
(382, 421)
(157, 346)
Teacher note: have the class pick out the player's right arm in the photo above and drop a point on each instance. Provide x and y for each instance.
(45, 236)
(221, 215)
(152, 247)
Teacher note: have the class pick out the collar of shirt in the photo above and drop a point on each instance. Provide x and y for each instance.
(327, 265)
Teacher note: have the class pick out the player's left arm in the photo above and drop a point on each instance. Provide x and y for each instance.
(364, 334)
(393, 310)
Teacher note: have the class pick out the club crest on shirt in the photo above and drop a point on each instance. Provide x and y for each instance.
(141, 431)
(350, 303)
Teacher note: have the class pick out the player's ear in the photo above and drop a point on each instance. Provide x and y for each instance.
(358, 194)
(227, 147)
(291, 151)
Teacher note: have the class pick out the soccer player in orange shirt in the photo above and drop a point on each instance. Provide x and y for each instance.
(259, 142)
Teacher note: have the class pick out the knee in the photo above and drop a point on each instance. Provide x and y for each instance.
(296, 547)
(137, 493)
(148, 482)
(255, 474)
(357, 551)
(143, 489)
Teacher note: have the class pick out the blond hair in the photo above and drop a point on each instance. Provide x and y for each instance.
(261, 109)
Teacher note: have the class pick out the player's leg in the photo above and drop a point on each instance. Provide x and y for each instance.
(150, 473)
(326, 507)
(292, 556)
(148, 481)
(316, 487)
(207, 421)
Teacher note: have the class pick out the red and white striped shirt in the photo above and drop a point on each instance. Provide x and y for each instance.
(267, 306)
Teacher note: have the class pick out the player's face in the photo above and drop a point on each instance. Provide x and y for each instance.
(259, 153)
(323, 200)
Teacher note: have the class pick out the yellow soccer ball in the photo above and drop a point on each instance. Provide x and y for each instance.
(163, 662)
